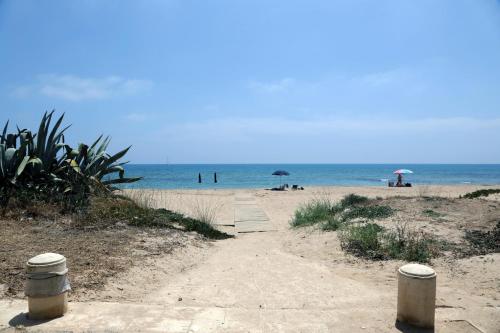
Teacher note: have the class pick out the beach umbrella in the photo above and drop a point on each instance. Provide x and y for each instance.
(281, 173)
(402, 171)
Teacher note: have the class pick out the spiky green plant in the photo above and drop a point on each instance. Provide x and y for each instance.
(94, 162)
(12, 160)
(43, 163)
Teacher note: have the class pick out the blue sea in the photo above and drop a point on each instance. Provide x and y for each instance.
(185, 176)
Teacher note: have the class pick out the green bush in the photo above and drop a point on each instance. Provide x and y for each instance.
(431, 213)
(362, 239)
(318, 210)
(331, 216)
(406, 244)
(371, 241)
(332, 224)
(367, 212)
(352, 200)
(481, 193)
(484, 242)
(109, 210)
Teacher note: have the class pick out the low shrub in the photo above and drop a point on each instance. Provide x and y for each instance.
(331, 215)
(362, 240)
(371, 241)
(431, 213)
(480, 193)
(332, 224)
(367, 212)
(484, 242)
(109, 210)
(352, 200)
(315, 211)
(410, 245)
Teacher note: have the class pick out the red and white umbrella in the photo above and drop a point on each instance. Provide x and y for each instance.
(402, 171)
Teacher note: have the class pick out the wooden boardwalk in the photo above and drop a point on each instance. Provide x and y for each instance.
(248, 216)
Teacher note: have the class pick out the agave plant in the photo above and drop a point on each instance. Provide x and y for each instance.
(12, 160)
(95, 163)
(44, 147)
(44, 162)
(12, 163)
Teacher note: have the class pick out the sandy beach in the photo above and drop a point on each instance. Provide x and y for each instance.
(292, 278)
(296, 280)
(280, 206)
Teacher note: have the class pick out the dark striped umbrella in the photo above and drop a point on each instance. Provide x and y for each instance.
(281, 173)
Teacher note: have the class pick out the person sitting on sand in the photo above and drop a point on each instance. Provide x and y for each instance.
(400, 180)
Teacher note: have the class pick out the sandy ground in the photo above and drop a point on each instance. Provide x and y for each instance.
(289, 280)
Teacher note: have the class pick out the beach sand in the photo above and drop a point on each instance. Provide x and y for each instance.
(299, 280)
(301, 270)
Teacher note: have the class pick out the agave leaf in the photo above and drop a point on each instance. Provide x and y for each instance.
(75, 166)
(21, 166)
(11, 140)
(68, 149)
(4, 133)
(54, 129)
(96, 142)
(117, 156)
(121, 180)
(9, 155)
(35, 160)
(104, 145)
(60, 169)
(52, 147)
(40, 144)
(2, 160)
(82, 153)
(113, 169)
(98, 160)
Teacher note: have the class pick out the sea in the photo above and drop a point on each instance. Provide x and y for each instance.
(185, 176)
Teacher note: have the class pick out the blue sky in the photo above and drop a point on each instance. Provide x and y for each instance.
(288, 81)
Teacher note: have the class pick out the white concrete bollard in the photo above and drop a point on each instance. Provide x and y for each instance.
(47, 286)
(416, 295)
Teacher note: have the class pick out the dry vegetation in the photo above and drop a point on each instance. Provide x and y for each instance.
(408, 228)
(109, 237)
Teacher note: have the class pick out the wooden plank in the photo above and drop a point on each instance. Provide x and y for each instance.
(248, 216)
(249, 213)
(253, 226)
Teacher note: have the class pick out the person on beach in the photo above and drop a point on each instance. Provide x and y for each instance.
(400, 180)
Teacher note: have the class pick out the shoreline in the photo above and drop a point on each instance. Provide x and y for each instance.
(312, 187)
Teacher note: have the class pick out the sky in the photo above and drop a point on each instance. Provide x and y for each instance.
(259, 81)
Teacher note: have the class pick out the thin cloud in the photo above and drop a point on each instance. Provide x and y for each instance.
(382, 78)
(339, 140)
(243, 128)
(74, 88)
(137, 117)
(282, 85)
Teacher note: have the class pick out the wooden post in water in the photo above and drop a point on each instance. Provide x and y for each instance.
(199, 178)
(215, 177)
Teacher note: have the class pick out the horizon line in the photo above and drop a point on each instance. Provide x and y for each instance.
(321, 163)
